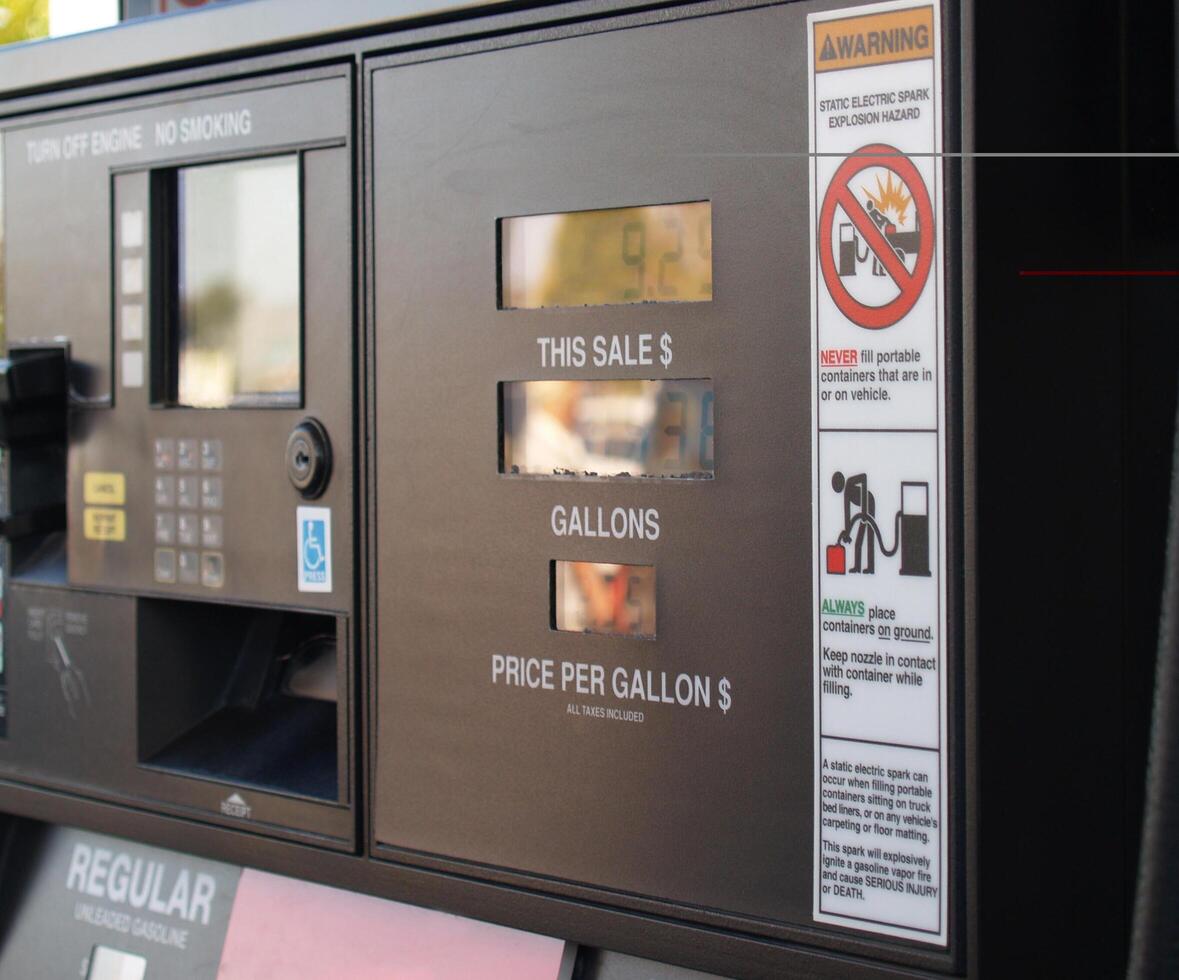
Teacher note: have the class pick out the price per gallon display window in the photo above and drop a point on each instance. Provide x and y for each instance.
(660, 253)
(603, 597)
(237, 317)
(652, 429)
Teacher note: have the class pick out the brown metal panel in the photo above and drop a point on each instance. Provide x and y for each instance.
(693, 805)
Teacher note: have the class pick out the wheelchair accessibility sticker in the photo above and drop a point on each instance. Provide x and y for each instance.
(315, 548)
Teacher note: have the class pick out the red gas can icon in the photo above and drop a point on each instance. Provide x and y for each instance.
(836, 560)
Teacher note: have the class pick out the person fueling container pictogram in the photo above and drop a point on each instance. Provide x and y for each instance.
(910, 531)
(859, 513)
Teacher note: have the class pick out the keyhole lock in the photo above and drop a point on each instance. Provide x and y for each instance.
(309, 458)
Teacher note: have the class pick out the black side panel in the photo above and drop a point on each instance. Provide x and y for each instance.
(1076, 379)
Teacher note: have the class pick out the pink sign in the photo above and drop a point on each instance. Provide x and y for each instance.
(281, 927)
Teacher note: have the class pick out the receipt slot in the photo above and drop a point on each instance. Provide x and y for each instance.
(186, 638)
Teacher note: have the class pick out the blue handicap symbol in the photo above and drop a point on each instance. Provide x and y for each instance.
(312, 551)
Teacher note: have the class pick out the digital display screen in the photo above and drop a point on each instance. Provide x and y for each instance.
(651, 429)
(237, 333)
(605, 598)
(660, 253)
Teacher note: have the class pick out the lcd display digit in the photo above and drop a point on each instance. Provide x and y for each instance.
(660, 253)
(605, 598)
(652, 429)
(237, 333)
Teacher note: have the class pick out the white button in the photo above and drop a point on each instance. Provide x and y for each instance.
(132, 318)
(132, 369)
(132, 276)
(132, 229)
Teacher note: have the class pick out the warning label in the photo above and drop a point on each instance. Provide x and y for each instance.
(877, 39)
(878, 454)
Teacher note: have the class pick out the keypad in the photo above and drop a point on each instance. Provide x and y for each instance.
(189, 492)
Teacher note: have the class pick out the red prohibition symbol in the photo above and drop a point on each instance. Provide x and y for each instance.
(839, 193)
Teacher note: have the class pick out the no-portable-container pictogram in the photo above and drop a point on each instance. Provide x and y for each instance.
(891, 251)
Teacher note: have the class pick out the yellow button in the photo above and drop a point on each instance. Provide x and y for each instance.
(104, 488)
(104, 524)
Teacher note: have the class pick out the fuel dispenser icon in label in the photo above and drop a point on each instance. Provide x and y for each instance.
(863, 535)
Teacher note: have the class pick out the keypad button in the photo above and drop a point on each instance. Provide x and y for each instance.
(212, 569)
(188, 530)
(187, 492)
(190, 568)
(165, 528)
(165, 454)
(165, 491)
(165, 565)
(211, 531)
(211, 454)
(211, 492)
(186, 454)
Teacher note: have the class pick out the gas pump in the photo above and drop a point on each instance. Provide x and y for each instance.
(595, 490)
